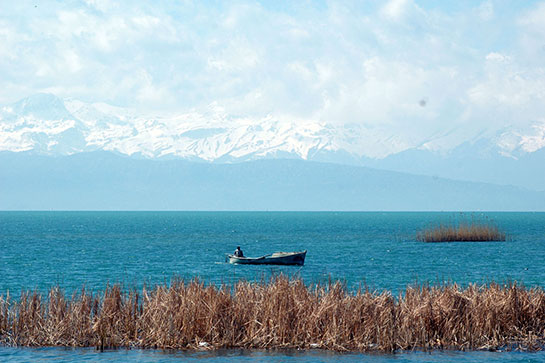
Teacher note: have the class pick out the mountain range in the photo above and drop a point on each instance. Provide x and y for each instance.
(106, 181)
(48, 128)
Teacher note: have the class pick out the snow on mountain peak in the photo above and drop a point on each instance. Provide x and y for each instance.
(48, 124)
(523, 140)
(41, 106)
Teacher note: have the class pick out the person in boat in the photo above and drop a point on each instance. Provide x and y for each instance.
(238, 252)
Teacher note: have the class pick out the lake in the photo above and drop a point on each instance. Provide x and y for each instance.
(379, 250)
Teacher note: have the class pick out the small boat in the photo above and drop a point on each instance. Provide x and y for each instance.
(277, 258)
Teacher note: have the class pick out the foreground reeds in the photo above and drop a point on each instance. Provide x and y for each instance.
(281, 314)
(463, 232)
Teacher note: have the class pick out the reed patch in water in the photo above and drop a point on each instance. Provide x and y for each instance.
(283, 313)
(462, 232)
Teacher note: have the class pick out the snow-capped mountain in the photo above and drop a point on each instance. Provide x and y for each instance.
(46, 124)
(50, 125)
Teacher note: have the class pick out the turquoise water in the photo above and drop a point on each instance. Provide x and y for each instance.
(41, 249)
(20, 355)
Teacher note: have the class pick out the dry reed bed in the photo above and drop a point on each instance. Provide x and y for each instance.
(463, 232)
(281, 314)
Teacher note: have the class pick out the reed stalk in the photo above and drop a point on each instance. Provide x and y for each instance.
(282, 313)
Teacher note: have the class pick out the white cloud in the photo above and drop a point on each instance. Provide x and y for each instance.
(497, 57)
(486, 10)
(395, 9)
(101, 5)
(534, 18)
(349, 62)
(532, 34)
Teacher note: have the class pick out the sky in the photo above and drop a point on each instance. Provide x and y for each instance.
(411, 66)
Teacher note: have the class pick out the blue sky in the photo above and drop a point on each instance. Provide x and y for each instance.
(405, 64)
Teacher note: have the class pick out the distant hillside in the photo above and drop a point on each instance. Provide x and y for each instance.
(470, 162)
(48, 125)
(106, 181)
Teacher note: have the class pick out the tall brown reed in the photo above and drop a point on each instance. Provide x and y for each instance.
(462, 232)
(283, 313)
